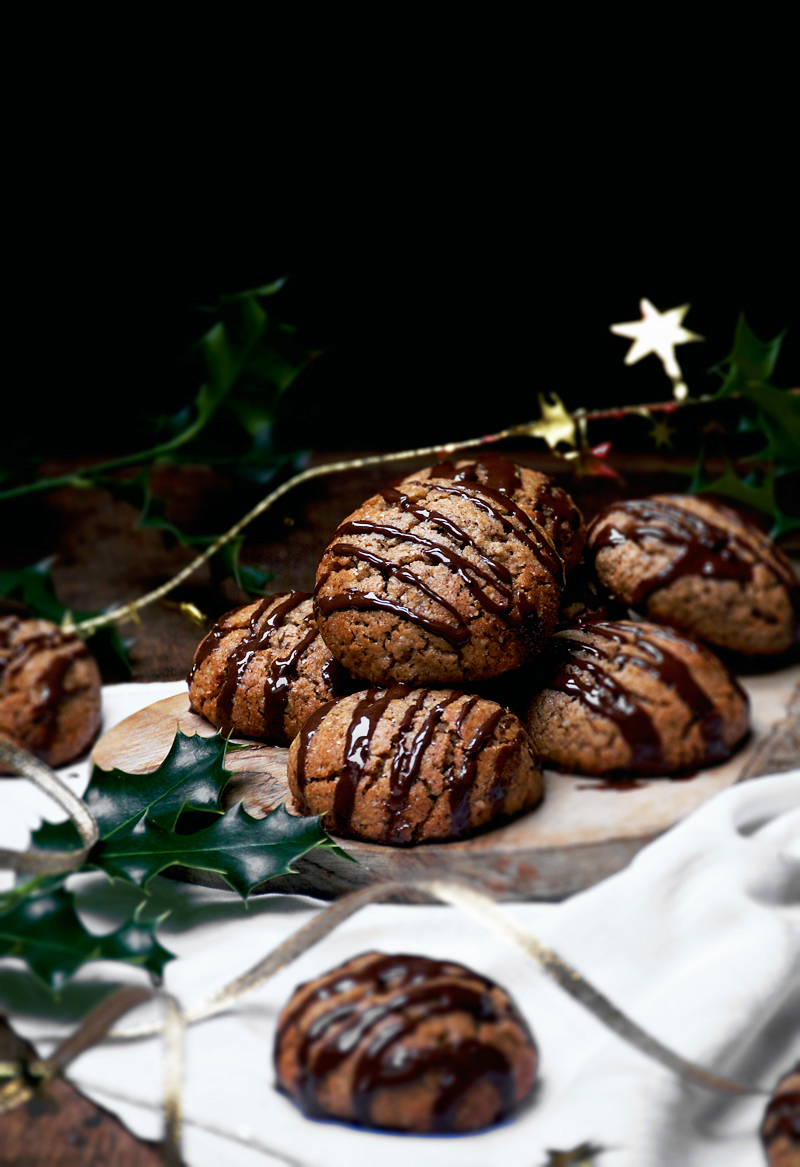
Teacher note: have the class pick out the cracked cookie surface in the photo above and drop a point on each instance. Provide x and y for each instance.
(49, 690)
(402, 766)
(437, 582)
(263, 669)
(617, 696)
(537, 494)
(405, 1043)
(700, 567)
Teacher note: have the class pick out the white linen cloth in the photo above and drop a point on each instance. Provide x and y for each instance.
(698, 941)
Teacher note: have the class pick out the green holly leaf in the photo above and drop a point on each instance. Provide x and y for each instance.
(750, 365)
(34, 587)
(751, 361)
(758, 492)
(191, 777)
(45, 930)
(141, 817)
(245, 851)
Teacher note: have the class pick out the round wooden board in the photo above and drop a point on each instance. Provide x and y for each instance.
(582, 832)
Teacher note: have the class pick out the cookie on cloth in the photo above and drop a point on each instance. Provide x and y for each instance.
(437, 582)
(49, 690)
(405, 1043)
(403, 766)
(537, 494)
(700, 567)
(780, 1130)
(622, 697)
(263, 669)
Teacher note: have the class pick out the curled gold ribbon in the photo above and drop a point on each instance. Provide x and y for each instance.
(483, 909)
(47, 862)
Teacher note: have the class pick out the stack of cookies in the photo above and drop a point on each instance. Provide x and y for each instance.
(382, 680)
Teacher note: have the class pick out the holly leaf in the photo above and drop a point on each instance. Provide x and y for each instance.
(34, 587)
(45, 930)
(244, 850)
(751, 361)
(749, 366)
(191, 777)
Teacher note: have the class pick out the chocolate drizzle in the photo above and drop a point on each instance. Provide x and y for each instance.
(16, 653)
(497, 473)
(783, 1118)
(529, 533)
(382, 1004)
(489, 581)
(257, 637)
(366, 715)
(408, 759)
(408, 747)
(706, 549)
(595, 687)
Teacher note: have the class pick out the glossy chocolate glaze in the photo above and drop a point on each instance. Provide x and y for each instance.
(363, 723)
(408, 750)
(488, 573)
(607, 695)
(408, 759)
(418, 989)
(368, 601)
(494, 471)
(500, 474)
(257, 638)
(51, 683)
(528, 532)
(706, 549)
(667, 667)
(304, 740)
(783, 1117)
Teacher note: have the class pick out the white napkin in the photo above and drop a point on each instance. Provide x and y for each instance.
(698, 940)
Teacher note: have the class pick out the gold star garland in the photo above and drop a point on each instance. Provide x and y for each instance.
(557, 427)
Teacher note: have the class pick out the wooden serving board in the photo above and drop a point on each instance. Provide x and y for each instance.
(583, 831)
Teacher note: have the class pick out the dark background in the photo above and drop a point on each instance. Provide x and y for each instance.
(429, 335)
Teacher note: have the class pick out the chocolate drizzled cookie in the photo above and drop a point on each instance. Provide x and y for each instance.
(438, 582)
(780, 1130)
(615, 696)
(49, 690)
(700, 567)
(405, 1043)
(550, 507)
(263, 669)
(402, 765)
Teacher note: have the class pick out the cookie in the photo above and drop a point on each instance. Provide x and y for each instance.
(700, 567)
(615, 696)
(437, 582)
(49, 690)
(405, 1043)
(548, 505)
(780, 1130)
(403, 766)
(264, 669)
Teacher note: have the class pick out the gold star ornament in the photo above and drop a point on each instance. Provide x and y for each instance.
(659, 333)
(661, 433)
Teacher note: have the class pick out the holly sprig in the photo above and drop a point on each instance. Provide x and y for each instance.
(148, 823)
(246, 359)
(766, 410)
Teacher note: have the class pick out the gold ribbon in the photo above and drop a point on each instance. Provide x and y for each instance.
(483, 909)
(47, 862)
